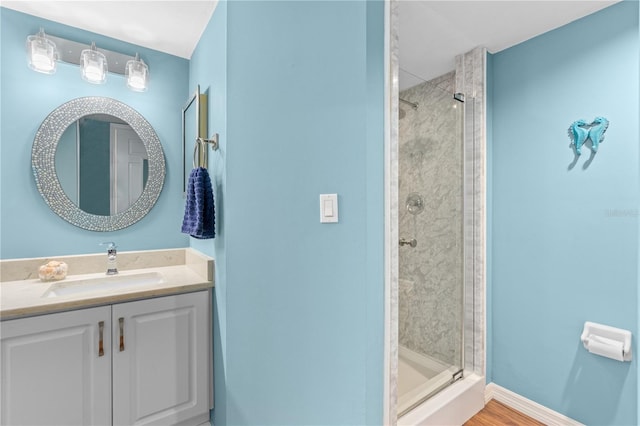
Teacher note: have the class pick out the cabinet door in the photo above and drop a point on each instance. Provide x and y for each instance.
(52, 372)
(160, 360)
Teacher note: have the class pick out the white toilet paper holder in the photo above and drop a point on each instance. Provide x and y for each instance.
(593, 332)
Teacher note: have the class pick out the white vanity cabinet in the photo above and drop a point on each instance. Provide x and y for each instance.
(154, 367)
(161, 360)
(52, 373)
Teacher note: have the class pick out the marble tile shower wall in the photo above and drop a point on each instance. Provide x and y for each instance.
(431, 274)
(470, 80)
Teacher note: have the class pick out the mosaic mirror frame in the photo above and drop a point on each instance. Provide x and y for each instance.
(43, 163)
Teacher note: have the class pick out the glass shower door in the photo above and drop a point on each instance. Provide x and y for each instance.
(431, 255)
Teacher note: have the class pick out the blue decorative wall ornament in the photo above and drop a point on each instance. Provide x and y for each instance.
(580, 131)
(596, 132)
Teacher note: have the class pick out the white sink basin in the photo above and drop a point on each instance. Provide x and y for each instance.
(103, 283)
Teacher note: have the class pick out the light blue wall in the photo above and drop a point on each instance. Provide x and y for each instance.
(373, 240)
(565, 241)
(300, 338)
(208, 68)
(27, 227)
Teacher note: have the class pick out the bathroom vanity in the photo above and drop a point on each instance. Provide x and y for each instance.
(109, 356)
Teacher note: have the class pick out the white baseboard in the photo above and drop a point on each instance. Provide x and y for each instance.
(527, 406)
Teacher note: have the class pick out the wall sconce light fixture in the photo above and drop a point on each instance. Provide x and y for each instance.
(137, 73)
(42, 53)
(44, 50)
(93, 65)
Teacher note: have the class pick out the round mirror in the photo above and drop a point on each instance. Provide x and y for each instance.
(98, 163)
(102, 164)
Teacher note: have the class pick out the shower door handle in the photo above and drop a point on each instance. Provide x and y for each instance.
(412, 242)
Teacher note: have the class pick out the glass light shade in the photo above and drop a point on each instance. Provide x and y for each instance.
(93, 65)
(42, 53)
(137, 73)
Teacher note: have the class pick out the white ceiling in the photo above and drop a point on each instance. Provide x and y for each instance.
(432, 33)
(172, 27)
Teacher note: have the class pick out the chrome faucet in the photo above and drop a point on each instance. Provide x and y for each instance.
(112, 264)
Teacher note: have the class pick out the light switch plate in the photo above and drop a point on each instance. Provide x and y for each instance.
(328, 208)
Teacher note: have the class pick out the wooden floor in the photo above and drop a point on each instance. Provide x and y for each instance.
(497, 414)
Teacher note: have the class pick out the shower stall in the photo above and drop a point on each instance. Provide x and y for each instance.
(435, 203)
(435, 295)
(430, 285)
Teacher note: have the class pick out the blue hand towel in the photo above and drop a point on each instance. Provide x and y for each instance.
(199, 211)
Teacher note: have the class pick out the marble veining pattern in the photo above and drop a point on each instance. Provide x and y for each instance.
(431, 274)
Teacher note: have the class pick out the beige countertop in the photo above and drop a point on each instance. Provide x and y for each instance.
(23, 294)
